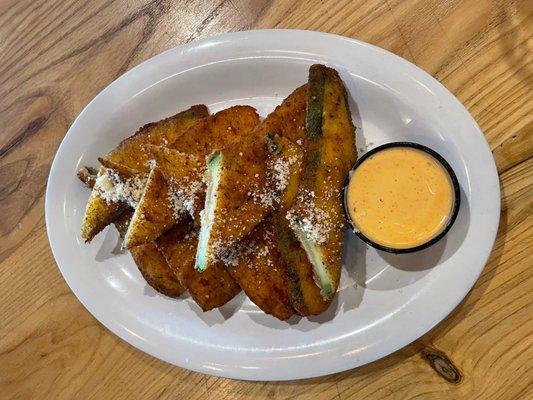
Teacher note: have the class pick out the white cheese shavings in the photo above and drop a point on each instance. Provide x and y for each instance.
(278, 173)
(151, 164)
(113, 190)
(312, 222)
(191, 194)
(178, 208)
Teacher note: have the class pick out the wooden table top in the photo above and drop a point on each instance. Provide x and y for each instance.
(57, 55)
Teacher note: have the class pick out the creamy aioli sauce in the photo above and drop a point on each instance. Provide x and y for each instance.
(400, 197)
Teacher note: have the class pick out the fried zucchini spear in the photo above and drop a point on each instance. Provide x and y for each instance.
(151, 263)
(216, 131)
(154, 214)
(288, 119)
(227, 126)
(245, 181)
(303, 292)
(99, 213)
(110, 196)
(151, 220)
(209, 289)
(305, 295)
(244, 178)
(255, 264)
(131, 152)
(317, 219)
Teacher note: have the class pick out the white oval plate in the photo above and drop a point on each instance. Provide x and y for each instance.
(384, 302)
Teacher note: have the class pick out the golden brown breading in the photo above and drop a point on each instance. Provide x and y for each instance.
(131, 152)
(246, 181)
(122, 222)
(255, 264)
(209, 289)
(216, 131)
(154, 213)
(303, 291)
(244, 196)
(155, 269)
(151, 263)
(123, 172)
(184, 173)
(288, 119)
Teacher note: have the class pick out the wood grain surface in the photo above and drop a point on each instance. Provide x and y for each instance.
(56, 55)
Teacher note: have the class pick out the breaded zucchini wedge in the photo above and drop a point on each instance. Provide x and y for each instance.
(304, 293)
(154, 213)
(288, 119)
(317, 219)
(131, 151)
(209, 289)
(255, 264)
(151, 263)
(99, 212)
(216, 131)
(130, 156)
(185, 175)
(245, 182)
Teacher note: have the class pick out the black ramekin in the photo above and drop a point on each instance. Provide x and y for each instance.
(456, 191)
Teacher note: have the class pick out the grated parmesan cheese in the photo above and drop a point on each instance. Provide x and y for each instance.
(188, 191)
(277, 180)
(313, 223)
(178, 208)
(113, 190)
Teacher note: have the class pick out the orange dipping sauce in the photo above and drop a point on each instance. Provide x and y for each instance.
(400, 197)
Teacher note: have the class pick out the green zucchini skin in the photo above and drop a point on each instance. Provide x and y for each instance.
(315, 101)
